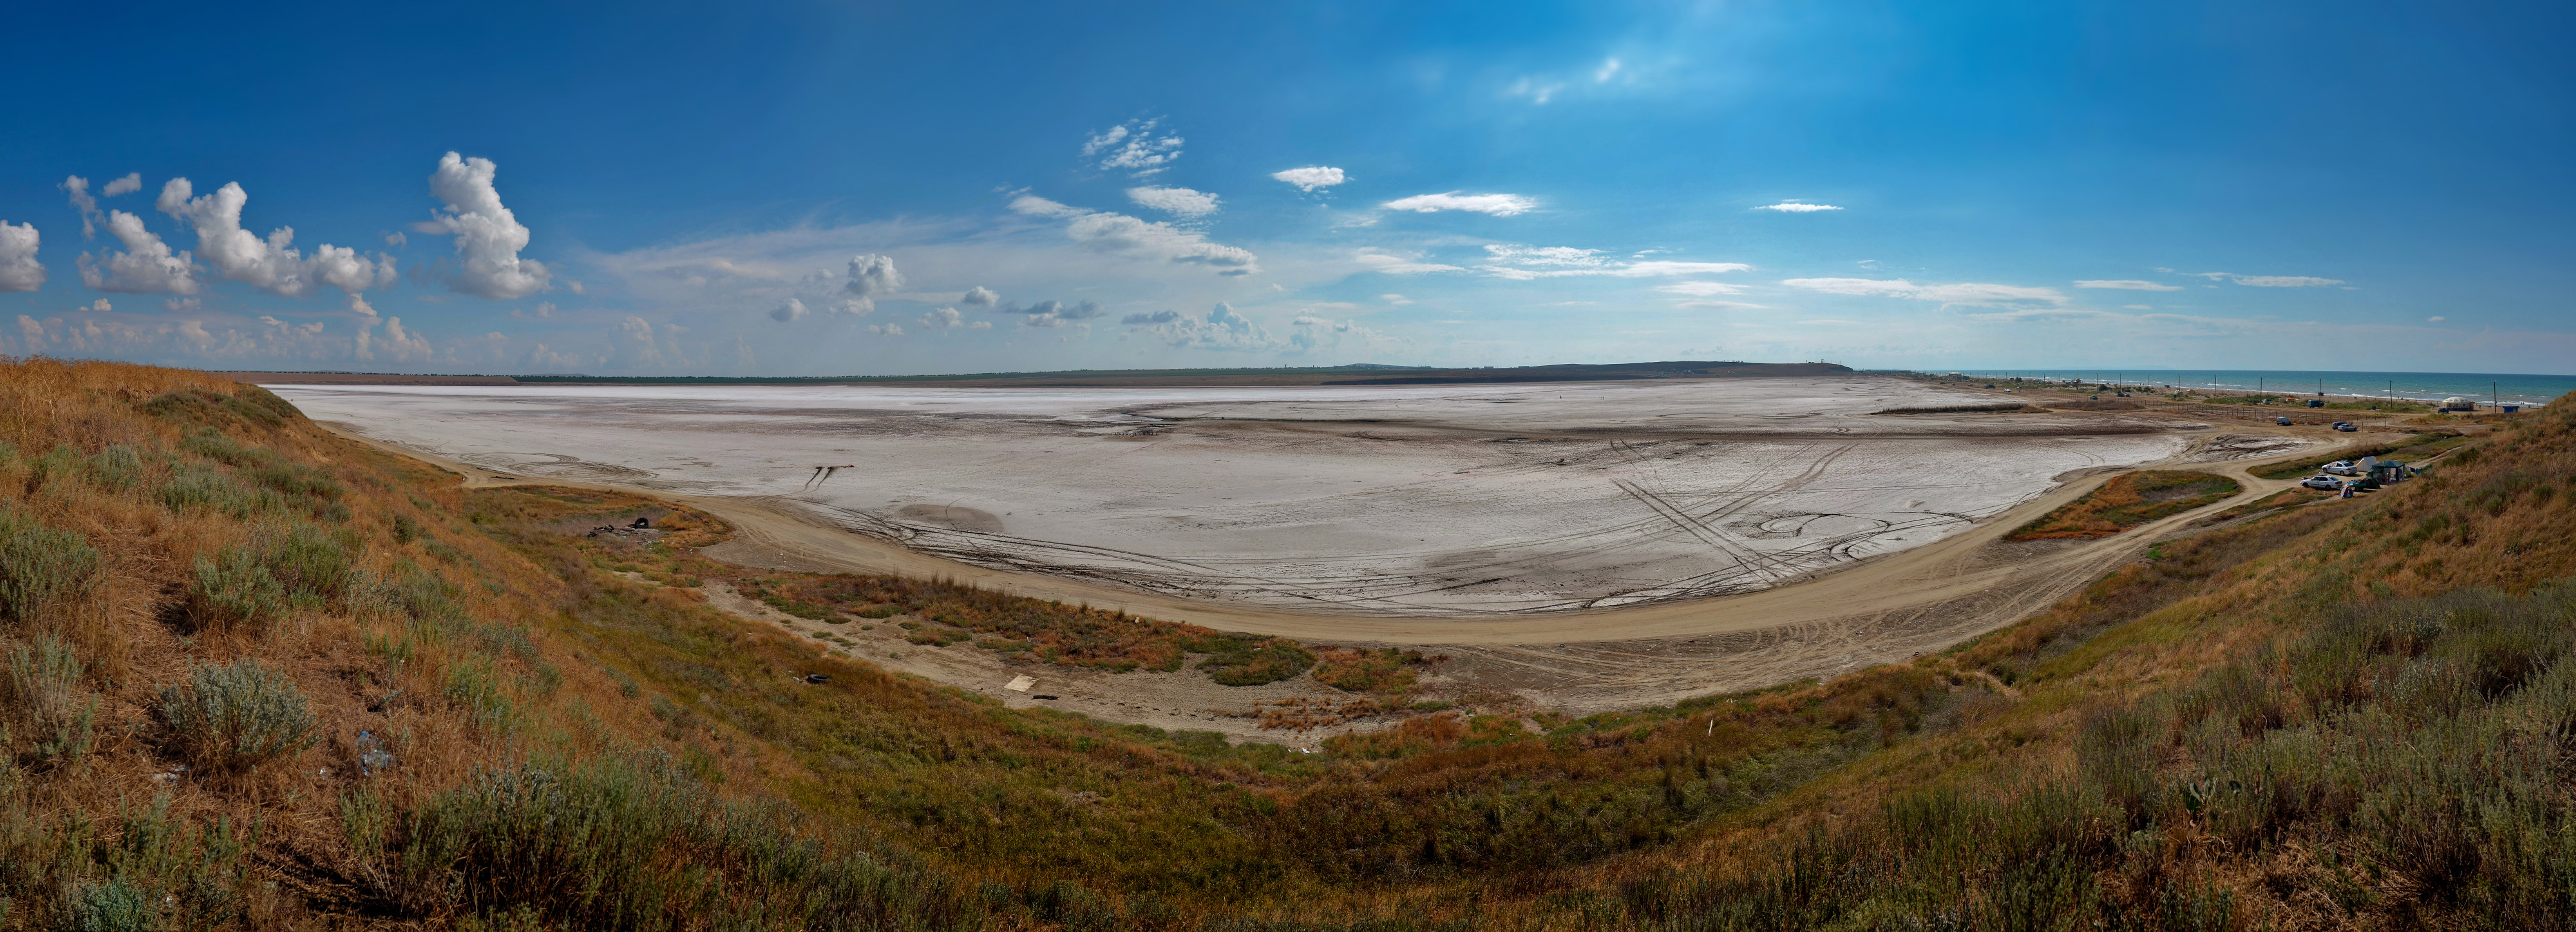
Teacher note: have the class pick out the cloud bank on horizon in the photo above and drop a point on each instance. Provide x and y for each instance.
(1582, 184)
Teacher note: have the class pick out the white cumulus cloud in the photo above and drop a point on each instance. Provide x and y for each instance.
(2127, 285)
(1312, 177)
(792, 310)
(871, 276)
(19, 270)
(1179, 202)
(132, 182)
(1314, 333)
(1500, 205)
(77, 189)
(980, 296)
(147, 266)
(1221, 329)
(1046, 314)
(270, 264)
(1133, 147)
(488, 235)
(1794, 207)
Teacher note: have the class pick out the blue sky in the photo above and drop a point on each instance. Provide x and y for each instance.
(844, 189)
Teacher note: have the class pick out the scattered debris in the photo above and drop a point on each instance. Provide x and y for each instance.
(1020, 684)
(642, 523)
(815, 679)
(1043, 696)
(372, 755)
(640, 530)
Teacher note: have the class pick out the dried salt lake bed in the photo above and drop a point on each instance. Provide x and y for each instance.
(1452, 500)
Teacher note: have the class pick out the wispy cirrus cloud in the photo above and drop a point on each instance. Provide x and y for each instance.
(1499, 205)
(2285, 281)
(1961, 293)
(1525, 263)
(2127, 285)
(2263, 281)
(1134, 148)
(1699, 289)
(1119, 234)
(1796, 207)
(1379, 260)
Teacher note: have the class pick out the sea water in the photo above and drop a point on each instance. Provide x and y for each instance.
(2475, 386)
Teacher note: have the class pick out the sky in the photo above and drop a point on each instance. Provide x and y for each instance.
(854, 189)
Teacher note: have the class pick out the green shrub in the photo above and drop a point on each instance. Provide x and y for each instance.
(60, 463)
(116, 468)
(1250, 660)
(234, 590)
(310, 562)
(52, 712)
(40, 566)
(619, 844)
(196, 486)
(213, 444)
(406, 530)
(237, 716)
(304, 567)
(475, 686)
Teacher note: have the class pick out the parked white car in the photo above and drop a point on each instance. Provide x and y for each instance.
(2328, 483)
(2341, 468)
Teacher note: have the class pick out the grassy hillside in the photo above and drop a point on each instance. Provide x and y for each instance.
(261, 678)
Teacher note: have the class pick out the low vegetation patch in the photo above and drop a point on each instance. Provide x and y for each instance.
(2414, 446)
(1249, 659)
(1389, 672)
(233, 717)
(2127, 501)
(2384, 407)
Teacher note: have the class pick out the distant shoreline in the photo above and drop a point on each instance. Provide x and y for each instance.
(1354, 375)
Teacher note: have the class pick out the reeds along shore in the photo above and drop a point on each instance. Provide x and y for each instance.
(260, 678)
